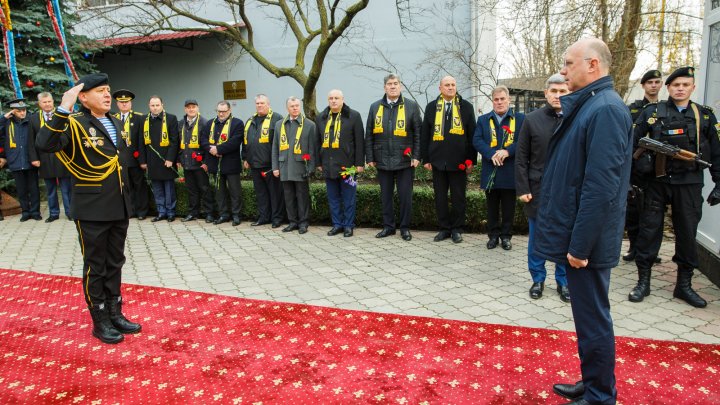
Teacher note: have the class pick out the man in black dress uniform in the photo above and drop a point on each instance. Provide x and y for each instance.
(101, 204)
(132, 123)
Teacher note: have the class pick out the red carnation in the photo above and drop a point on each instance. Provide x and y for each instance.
(136, 154)
(507, 129)
(181, 180)
(407, 152)
(2, 150)
(264, 174)
(223, 137)
(198, 158)
(194, 155)
(468, 163)
(306, 157)
(461, 166)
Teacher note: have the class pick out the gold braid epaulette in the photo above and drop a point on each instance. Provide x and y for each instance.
(92, 173)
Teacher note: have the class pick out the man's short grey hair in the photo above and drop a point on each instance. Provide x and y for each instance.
(157, 97)
(262, 96)
(336, 91)
(557, 78)
(292, 98)
(225, 103)
(390, 77)
(500, 88)
(44, 94)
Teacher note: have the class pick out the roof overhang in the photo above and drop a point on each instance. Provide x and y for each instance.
(156, 42)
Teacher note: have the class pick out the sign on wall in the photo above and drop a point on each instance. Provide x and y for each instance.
(234, 90)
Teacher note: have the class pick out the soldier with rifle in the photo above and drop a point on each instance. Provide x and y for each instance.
(675, 140)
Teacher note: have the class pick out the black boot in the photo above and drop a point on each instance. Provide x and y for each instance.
(102, 327)
(642, 289)
(684, 291)
(118, 320)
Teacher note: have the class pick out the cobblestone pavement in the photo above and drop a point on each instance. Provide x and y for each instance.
(455, 281)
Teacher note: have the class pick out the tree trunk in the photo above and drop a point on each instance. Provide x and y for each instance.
(623, 48)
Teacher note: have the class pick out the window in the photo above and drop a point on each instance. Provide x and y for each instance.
(715, 4)
(98, 3)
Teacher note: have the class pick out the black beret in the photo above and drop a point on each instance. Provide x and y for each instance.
(650, 74)
(93, 80)
(18, 104)
(687, 71)
(123, 95)
(191, 101)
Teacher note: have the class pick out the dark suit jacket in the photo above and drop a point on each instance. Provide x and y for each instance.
(136, 136)
(156, 164)
(230, 163)
(454, 150)
(94, 198)
(50, 166)
(351, 150)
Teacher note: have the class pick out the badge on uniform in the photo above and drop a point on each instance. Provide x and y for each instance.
(126, 136)
(401, 124)
(456, 121)
(651, 120)
(93, 139)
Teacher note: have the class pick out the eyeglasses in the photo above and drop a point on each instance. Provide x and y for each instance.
(568, 63)
(222, 111)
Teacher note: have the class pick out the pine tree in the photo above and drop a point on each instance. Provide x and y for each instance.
(39, 60)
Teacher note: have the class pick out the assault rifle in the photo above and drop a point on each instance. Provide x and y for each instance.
(664, 150)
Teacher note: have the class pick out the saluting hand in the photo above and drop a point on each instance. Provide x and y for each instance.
(70, 97)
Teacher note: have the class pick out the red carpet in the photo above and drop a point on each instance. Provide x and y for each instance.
(208, 349)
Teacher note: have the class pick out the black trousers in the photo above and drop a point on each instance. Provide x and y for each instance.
(632, 220)
(268, 195)
(450, 218)
(28, 191)
(500, 199)
(139, 190)
(297, 201)
(686, 201)
(388, 179)
(102, 244)
(199, 199)
(229, 195)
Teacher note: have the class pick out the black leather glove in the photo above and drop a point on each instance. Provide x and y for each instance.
(714, 197)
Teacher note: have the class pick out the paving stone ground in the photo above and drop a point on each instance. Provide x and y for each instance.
(438, 279)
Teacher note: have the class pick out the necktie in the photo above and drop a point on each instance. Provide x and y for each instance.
(48, 117)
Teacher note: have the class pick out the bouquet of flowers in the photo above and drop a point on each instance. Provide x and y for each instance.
(348, 175)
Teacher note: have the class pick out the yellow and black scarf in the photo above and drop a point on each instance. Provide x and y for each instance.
(194, 143)
(510, 136)
(284, 145)
(399, 121)
(457, 125)
(164, 140)
(224, 131)
(336, 133)
(264, 130)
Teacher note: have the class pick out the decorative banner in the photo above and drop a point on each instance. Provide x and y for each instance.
(9, 46)
(53, 9)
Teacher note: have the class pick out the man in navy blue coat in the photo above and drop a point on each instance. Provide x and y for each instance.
(582, 209)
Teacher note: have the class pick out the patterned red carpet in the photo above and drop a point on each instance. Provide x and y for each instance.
(207, 349)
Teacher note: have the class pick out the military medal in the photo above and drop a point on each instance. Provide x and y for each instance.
(651, 120)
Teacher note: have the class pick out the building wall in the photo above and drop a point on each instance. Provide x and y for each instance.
(375, 46)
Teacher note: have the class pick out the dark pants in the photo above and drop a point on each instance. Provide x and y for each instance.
(268, 195)
(165, 198)
(594, 328)
(229, 195)
(297, 201)
(26, 182)
(404, 180)
(102, 244)
(139, 191)
(500, 199)
(686, 202)
(51, 187)
(632, 221)
(341, 199)
(200, 200)
(450, 218)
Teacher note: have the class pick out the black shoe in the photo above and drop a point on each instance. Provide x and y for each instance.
(37, 217)
(24, 218)
(276, 225)
(52, 218)
(302, 229)
(103, 329)
(236, 220)
(188, 218)
(492, 243)
(334, 231)
(564, 293)
(171, 218)
(221, 220)
(209, 219)
(259, 223)
(348, 232)
(385, 232)
(505, 243)
(630, 255)
(456, 237)
(580, 401)
(441, 236)
(118, 320)
(536, 290)
(573, 392)
(405, 234)
(684, 290)
(658, 260)
(159, 218)
(290, 228)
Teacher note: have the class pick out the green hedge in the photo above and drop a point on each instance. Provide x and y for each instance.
(369, 211)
